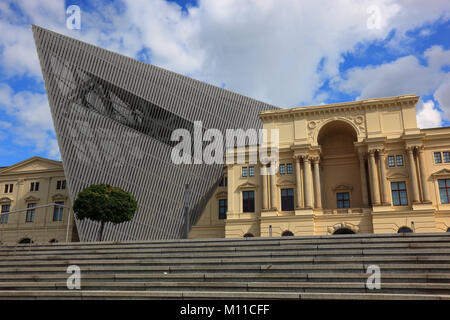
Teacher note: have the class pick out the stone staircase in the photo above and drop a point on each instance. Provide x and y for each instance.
(413, 266)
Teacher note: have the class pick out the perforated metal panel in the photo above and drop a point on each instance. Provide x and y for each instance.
(113, 118)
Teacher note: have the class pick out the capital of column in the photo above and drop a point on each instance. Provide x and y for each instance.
(410, 149)
(315, 160)
(297, 158)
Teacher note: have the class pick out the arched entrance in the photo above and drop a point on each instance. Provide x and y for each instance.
(26, 240)
(341, 178)
(404, 230)
(344, 231)
(287, 233)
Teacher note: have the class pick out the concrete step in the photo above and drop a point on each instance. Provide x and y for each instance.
(197, 295)
(238, 286)
(295, 276)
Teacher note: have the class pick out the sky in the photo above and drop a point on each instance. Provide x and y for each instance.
(287, 53)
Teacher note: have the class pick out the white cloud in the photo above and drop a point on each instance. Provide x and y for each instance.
(33, 124)
(428, 116)
(442, 95)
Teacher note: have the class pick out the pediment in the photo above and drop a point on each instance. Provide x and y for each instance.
(32, 198)
(6, 200)
(247, 185)
(397, 175)
(441, 173)
(33, 164)
(222, 194)
(343, 187)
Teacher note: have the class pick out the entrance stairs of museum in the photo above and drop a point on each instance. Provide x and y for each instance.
(412, 266)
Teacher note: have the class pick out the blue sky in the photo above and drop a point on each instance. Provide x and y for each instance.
(291, 53)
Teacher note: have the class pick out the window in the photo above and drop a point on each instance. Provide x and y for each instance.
(223, 208)
(399, 160)
(399, 197)
(60, 184)
(289, 168)
(30, 213)
(4, 217)
(343, 200)
(287, 233)
(437, 157)
(248, 235)
(282, 169)
(26, 240)
(287, 199)
(391, 161)
(446, 155)
(251, 171)
(248, 198)
(223, 182)
(9, 187)
(58, 211)
(444, 188)
(244, 171)
(34, 186)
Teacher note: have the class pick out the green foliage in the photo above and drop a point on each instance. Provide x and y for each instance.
(105, 203)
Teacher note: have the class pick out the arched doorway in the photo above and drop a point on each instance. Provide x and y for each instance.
(340, 169)
(287, 233)
(344, 231)
(404, 230)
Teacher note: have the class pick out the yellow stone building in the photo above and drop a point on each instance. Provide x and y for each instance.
(356, 167)
(26, 189)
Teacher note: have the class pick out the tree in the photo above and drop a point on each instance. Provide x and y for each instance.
(104, 203)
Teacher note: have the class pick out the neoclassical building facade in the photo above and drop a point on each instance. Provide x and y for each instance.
(356, 167)
(27, 191)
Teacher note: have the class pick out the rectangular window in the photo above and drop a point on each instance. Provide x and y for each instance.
(223, 208)
(289, 168)
(287, 199)
(11, 187)
(446, 156)
(399, 196)
(58, 184)
(63, 184)
(4, 217)
(391, 161)
(282, 169)
(6, 188)
(251, 171)
(343, 200)
(58, 211)
(223, 182)
(34, 186)
(437, 157)
(244, 171)
(30, 213)
(248, 201)
(399, 160)
(444, 188)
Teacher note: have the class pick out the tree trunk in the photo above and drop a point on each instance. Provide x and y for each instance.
(100, 232)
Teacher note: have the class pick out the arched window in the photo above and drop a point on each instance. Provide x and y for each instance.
(344, 231)
(287, 233)
(248, 235)
(53, 241)
(26, 240)
(404, 230)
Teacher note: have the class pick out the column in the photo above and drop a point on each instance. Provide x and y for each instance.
(423, 175)
(384, 192)
(265, 194)
(362, 169)
(374, 176)
(298, 182)
(317, 193)
(413, 174)
(273, 188)
(307, 183)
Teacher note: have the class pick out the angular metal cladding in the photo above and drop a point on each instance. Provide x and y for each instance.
(113, 118)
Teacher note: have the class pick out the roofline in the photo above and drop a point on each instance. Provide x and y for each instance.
(2, 169)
